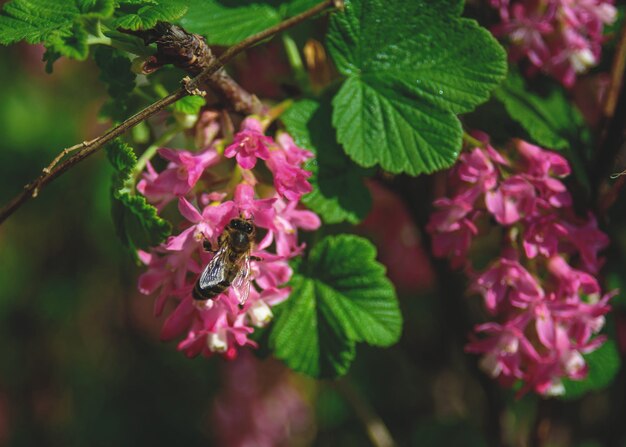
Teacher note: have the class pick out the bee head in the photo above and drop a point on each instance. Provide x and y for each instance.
(241, 225)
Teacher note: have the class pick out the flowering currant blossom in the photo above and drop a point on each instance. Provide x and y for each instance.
(559, 37)
(206, 201)
(259, 406)
(541, 290)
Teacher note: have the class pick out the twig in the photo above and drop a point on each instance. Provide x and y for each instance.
(376, 429)
(612, 130)
(191, 53)
(617, 77)
(32, 189)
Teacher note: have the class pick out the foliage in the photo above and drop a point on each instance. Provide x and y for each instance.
(342, 297)
(136, 222)
(364, 100)
(406, 81)
(228, 22)
(339, 193)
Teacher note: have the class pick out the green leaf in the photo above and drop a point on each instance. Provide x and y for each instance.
(136, 221)
(115, 71)
(548, 120)
(340, 296)
(406, 80)
(72, 44)
(226, 22)
(147, 15)
(189, 105)
(603, 364)
(40, 21)
(338, 191)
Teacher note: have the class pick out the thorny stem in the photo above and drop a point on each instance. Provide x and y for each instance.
(32, 189)
(376, 429)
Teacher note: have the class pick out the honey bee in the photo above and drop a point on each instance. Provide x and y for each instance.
(230, 266)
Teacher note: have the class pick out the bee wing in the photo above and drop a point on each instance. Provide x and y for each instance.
(241, 283)
(215, 271)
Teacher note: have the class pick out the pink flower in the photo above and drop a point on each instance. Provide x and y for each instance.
(209, 224)
(262, 210)
(249, 144)
(512, 200)
(167, 271)
(542, 163)
(506, 349)
(476, 168)
(258, 405)
(561, 38)
(542, 236)
(221, 325)
(288, 219)
(545, 321)
(181, 174)
(507, 282)
(295, 155)
(526, 29)
(588, 240)
(290, 180)
(540, 169)
(571, 281)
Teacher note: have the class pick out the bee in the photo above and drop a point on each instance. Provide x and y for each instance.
(230, 266)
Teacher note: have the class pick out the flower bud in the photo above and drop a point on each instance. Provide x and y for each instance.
(260, 314)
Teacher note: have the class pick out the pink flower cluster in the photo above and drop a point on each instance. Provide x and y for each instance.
(258, 406)
(207, 200)
(542, 290)
(559, 37)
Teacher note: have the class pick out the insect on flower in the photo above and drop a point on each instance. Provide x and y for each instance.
(231, 264)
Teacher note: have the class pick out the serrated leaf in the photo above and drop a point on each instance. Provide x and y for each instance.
(36, 21)
(338, 191)
(72, 44)
(320, 348)
(548, 119)
(542, 117)
(406, 80)
(137, 223)
(189, 105)
(115, 71)
(226, 22)
(340, 296)
(603, 364)
(147, 15)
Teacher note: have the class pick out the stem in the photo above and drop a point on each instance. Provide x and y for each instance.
(32, 189)
(276, 111)
(468, 139)
(612, 135)
(376, 429)
(99, 40)
(295, 60)
(151, 151)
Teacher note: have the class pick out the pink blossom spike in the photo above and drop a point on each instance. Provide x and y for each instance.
(249, 144)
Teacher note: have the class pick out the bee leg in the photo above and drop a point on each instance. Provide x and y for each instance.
(255, 258)
(207, 246)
